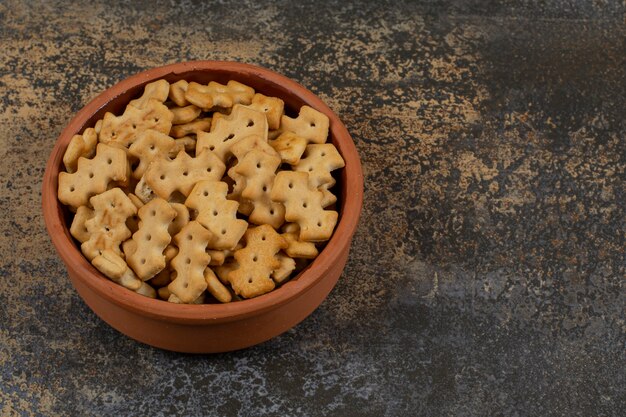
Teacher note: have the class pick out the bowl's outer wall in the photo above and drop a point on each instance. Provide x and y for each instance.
(223, 336)
(191, 328)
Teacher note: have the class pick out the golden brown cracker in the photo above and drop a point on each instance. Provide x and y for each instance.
(190, 262)
(166, 176)
(217, 95)
(147, 258)
(80, 146)
(303, 205)
(217, 213)
(123, 130)
(289, 146)
(310, 124)
(107, 228)
(273, 107)
(228, 130)
(93, 176)
(149, 145)
(257, 260)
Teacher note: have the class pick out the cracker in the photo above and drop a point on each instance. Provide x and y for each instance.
(162, 278)
(239, 150)
(217, 213)
(146, 290)
(113, 266)
(166, 176)
(149, 145)
(310, 124)
(273, 107)
(297, 248)
(319, 161)
(181, 219)
(191, 128)
(289, 146)
(257, 260)
(163, 293)
(283, 272)
(228, 130)
(93, 176)
(80, 146)
(143, 191)
(78, 228)
(303, 205)
(146, 256)
(185, 114)
(174, 299)
(222, 271)
(258, 170)
(123, 130)
(190, 262)
(157, 90)
(107, 228)
(177, 92)
(217, 95)
(216, 288)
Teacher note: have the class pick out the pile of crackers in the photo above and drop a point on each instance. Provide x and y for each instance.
(201, 193)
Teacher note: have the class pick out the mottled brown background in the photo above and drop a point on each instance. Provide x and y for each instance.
(487, 276)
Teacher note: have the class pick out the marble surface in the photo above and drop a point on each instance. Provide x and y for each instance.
(487, 275)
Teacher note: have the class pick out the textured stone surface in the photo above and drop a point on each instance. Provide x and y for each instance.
(487, 276)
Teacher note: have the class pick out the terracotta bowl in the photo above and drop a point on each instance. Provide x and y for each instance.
(210, 327)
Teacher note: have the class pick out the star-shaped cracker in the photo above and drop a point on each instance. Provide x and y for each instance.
(165, 176)
(217, 214)
(303, 205)
(310, 124)
(107, 228)
(228, 130)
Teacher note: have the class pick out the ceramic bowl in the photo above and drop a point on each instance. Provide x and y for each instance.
(209, 327)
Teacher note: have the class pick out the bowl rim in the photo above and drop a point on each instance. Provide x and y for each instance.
(200, 314)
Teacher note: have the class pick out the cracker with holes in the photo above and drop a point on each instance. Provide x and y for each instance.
(303, 205)
(310, 125)
(218, 95)
(217, 213)
(319, 161)
(145, 256)
(256, 262)
(228, 130)
(93, 176)
(239, 150)
(80, 146)
(149, 145)
(190, 262)
(123, 130)
(107, 228)
(258, 170)
(273, 107)
(289, 146)
(165, 176)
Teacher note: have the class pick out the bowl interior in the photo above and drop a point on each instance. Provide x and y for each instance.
(115, 100)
